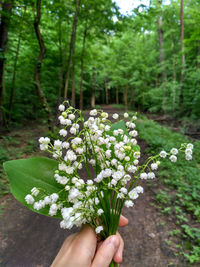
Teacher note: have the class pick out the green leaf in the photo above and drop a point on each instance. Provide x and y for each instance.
(118, 125)
(24, 174)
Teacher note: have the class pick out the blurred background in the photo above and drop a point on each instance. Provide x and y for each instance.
(143, 54)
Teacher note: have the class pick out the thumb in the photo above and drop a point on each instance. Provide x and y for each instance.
(106, 252)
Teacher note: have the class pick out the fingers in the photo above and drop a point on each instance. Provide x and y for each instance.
(60, 258)
(123, 221)
(77, 249)
(86, 242)
(119, 253)
(106, 252)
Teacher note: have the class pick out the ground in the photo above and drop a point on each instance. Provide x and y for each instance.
(28, 239)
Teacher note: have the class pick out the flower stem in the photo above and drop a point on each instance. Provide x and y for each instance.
(113, 264)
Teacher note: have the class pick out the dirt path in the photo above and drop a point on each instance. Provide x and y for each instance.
(31, 240)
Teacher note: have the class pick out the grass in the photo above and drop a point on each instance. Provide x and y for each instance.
(118, 106)
(19, 144)
(182, 177)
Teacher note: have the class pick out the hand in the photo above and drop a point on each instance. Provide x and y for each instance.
(84, 250)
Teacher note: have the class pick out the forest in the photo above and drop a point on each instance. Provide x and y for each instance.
(144, 62)
(89, 53)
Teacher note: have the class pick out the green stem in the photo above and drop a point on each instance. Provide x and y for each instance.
(113, 264)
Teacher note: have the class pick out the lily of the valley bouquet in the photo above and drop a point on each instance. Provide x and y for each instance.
(110, 156)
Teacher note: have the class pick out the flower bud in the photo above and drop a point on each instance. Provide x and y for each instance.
(64, 114)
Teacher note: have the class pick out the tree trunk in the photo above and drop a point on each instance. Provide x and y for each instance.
(182, 58)
(82, 64)
(60, 58)
(174, 58)
(106, 89)
(174, 72)
(132, 97)
(103, 96)
(162, 56)
(93, 89)
(117, 95)
(6, 8)
(63, 60)
(71, 47)
(125, 97)
(73, 84)
(161, 45)
(39, 63)
(15, 66)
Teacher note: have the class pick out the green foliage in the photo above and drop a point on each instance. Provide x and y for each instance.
(184, 178)
(3, 155)
(4, 188)
(123, 52)
(119, 106)
(24, 174)
(31, 147)
(193, 243)
(163, 197)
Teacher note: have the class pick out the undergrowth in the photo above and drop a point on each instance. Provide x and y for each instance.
(184, 178)
(14, 147)
(118, 106)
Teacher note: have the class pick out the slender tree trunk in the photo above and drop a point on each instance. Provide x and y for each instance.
(132, 96)
(63, 60)
(182, 58)
(117, 95)
(174, 58)
(73, 84)
(174, 72)
(103, 96)
(39, 63)
(162, 56)
(174, 82)
(93, 89)
(71, 47)
(6, 8)
(106, 90)
(82, 64)
(126, 97)
(161, 45)
(15, 66)
(60, 58)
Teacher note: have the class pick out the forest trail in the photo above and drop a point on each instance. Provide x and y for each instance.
(28, 239)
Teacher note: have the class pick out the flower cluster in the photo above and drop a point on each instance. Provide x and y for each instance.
(110, 155)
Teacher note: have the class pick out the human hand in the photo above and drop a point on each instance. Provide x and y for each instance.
(84, 250)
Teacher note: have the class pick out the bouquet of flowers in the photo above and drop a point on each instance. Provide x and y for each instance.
(109, 154)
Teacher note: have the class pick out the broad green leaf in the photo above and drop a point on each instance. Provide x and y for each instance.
(24, 174)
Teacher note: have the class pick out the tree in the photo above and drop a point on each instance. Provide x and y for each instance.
(15, 64)
(39, 63)
(6, 8)
(182, 57)
(71, 47)
(82, 63)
